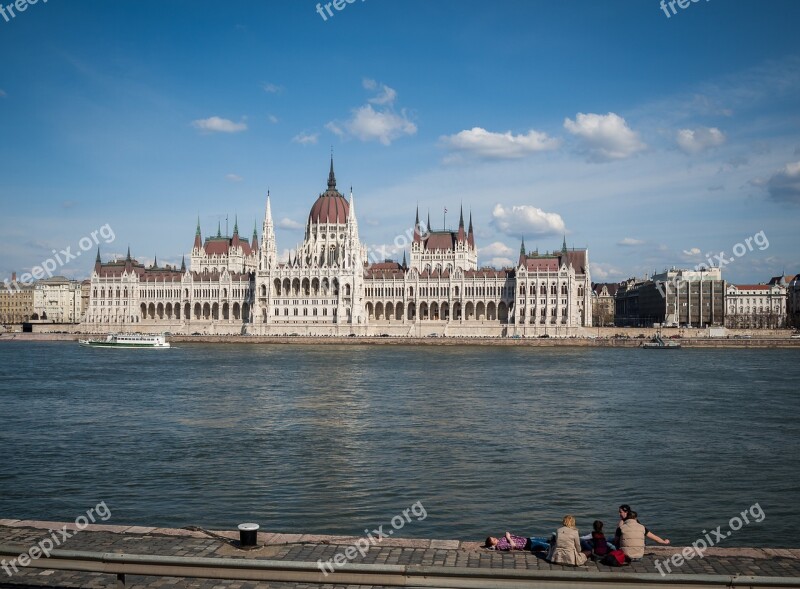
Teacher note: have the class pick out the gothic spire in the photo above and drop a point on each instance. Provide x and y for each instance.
(128, 257)
(461, 234)
(97, 259)
(331, 176)
(198, 240)
(183, 263)
(470, 234)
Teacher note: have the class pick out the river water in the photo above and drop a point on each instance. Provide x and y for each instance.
(334, 439)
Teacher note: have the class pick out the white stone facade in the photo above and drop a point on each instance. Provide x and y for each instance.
(327, 288)
(57, 299)
(755, 306)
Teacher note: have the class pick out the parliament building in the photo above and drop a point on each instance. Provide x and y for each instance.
(328, 286)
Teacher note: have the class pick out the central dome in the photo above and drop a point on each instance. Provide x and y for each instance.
(331, 207)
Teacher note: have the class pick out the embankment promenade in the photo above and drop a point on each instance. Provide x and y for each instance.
(151, 557)
(632, 339)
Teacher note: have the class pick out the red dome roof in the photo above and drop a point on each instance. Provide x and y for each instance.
(330, 207)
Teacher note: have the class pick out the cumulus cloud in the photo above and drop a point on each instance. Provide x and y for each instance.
(606, 273)
(385, 95)
(526, 220)
(630, 241)
(306, 138)
(233, 177)
(218, 125)
(695, 251)
(380, 123)
(496, 249)
(696, 140)
(604, 137)
(785, 185)
(287, 223)
(500, 262)
(506, 145)
(272, 88)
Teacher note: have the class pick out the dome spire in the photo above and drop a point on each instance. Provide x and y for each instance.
(331, 175)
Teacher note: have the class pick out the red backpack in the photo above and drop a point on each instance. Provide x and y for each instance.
(615, 558)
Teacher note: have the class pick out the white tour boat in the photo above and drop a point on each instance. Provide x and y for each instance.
(128, 340)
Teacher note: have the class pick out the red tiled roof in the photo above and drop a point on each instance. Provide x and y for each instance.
(219, 246)
(440, 240)
(578, 260)
(541, 264)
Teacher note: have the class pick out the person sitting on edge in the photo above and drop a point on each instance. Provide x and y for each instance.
(566, 549)
(600, 546)
(508, 542)
(630, 537)
(624, 510)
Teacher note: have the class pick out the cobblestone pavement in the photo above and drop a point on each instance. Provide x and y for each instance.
(307, 548)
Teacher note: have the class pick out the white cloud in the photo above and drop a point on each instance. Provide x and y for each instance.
(526, 220)
(368, 124)
(500, 262)
(630, 241)
(496, 249)
(272, 88)
(233, 177)
(386, 96)
(272, 119)
(500, 145)
(382, 124)
(696, 140)
(306, 138)
(604, 137)
(785, 185)
(602, 272)
(287, 223)
(218, 125)
(695, 251)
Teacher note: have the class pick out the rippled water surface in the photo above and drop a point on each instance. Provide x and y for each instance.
(335, 439)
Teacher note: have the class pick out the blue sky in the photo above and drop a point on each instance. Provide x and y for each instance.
(653, 141)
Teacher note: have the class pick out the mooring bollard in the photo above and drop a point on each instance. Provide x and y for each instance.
(248, 535)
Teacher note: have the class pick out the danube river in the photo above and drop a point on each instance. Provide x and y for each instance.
(335, 439)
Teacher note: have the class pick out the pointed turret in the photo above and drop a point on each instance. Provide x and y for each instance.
(428, 225)
(183, 263)
(269, 250)
(128, 261)
(155, 261)
(462, 236)
(522, 253)
(254, 242)
(219, 228)
(405, 265)
(128, 256)
(97, 262)
(235, 240)
(564, 246)
(470, 234)
(417, 232)
(198, 240)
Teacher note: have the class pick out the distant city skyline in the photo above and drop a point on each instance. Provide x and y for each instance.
(653, 141)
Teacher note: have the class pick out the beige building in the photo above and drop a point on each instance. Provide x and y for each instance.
(57, 300)
(16, 302)
(603, 303)
(753, 306)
